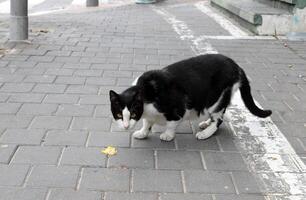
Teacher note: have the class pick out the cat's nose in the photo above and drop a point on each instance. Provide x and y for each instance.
(126, 126)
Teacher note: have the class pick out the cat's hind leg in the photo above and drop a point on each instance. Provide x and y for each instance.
(169, 134)
(215, 121)
(144, 131)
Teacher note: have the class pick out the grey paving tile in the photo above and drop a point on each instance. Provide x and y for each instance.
(179, 196)
(94, 99)
(209, 182)
(246, 183)
(37, 155)
(188, 141)
(9, 108)
(224, 161)
(95, 178)
(129, 196)
(152, 141)
(98, 139)
(75, 110)
(239, 197)
(157, 181)
(61, 98)
(132, 158)
(37, 109)
(51, 122)
(59, 72)
(12, 121)
(103, 111)
(94, 124)
(83, 156)
(70, 194)
(70, 80)
(81, 89)
(100, 81)
(26, 98)
(179, 160)
(17, 87)
(49, 88)
(39, 79)
(6, 152)
(13, 175)
(22, 193)
(52, 176)
(22, 136)
(66, 138)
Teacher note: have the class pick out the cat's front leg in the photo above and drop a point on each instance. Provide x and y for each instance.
(169, 134)
(144, 131)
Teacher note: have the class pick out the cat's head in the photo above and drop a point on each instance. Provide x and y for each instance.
(127, 107)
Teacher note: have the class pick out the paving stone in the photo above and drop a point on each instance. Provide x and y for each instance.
(188, 141)
(9, 108)
(157, 181)
(41, 58)
(106, 179)
(98, 139)
(51, 176)
(51, 122)
(75, 110)
(70, 194)
(22, 193)
(179, 160)
(36, 155)
(117, 74)
(59, 72)
(67, 59)
(103, 111)
(100, 81)
(49, 88)
(11, 78)
(17, 87)
(94, 124)
(246, 183)
(61, 98)
(12, 175)
(70, 80)
(81, 89)
(22, 136)
(63, 138)
(39, 79)
(83, 156)
(179, 196)
(95, 99)
(27, 98)
(4, 97)
(88, 72)
(6, 152)
(11, 121)
(208, 182)
(37, 109)
(129, 196)
(224, 161)
(239, 197)
(132, 158)
(152, 141)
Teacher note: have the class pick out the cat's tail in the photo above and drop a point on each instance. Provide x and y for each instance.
(247, 98)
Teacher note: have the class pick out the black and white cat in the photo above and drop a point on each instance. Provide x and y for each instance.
(201, 85)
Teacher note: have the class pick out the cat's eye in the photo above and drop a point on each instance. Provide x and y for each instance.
(119, 115)
(133, 115)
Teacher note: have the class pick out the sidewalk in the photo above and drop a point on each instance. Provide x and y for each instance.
(55, 116)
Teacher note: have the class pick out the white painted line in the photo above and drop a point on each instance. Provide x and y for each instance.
(230, 37)
(79, 2)
(265, 149)
(224, 23)
(185, 33)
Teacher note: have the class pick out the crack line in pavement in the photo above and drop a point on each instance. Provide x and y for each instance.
(264, 148)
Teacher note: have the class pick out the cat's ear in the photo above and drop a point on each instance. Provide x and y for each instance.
(113, 96)
(138, 96)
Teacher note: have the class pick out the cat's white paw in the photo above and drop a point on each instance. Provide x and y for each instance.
(140, 134)
(167, 136)
(204, 124)
(206, 133)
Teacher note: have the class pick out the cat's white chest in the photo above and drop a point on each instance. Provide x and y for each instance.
(151, 114)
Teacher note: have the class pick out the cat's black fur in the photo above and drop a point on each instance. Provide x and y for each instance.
(196, 83)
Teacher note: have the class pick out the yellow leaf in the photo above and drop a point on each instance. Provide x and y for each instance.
(110, 151)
